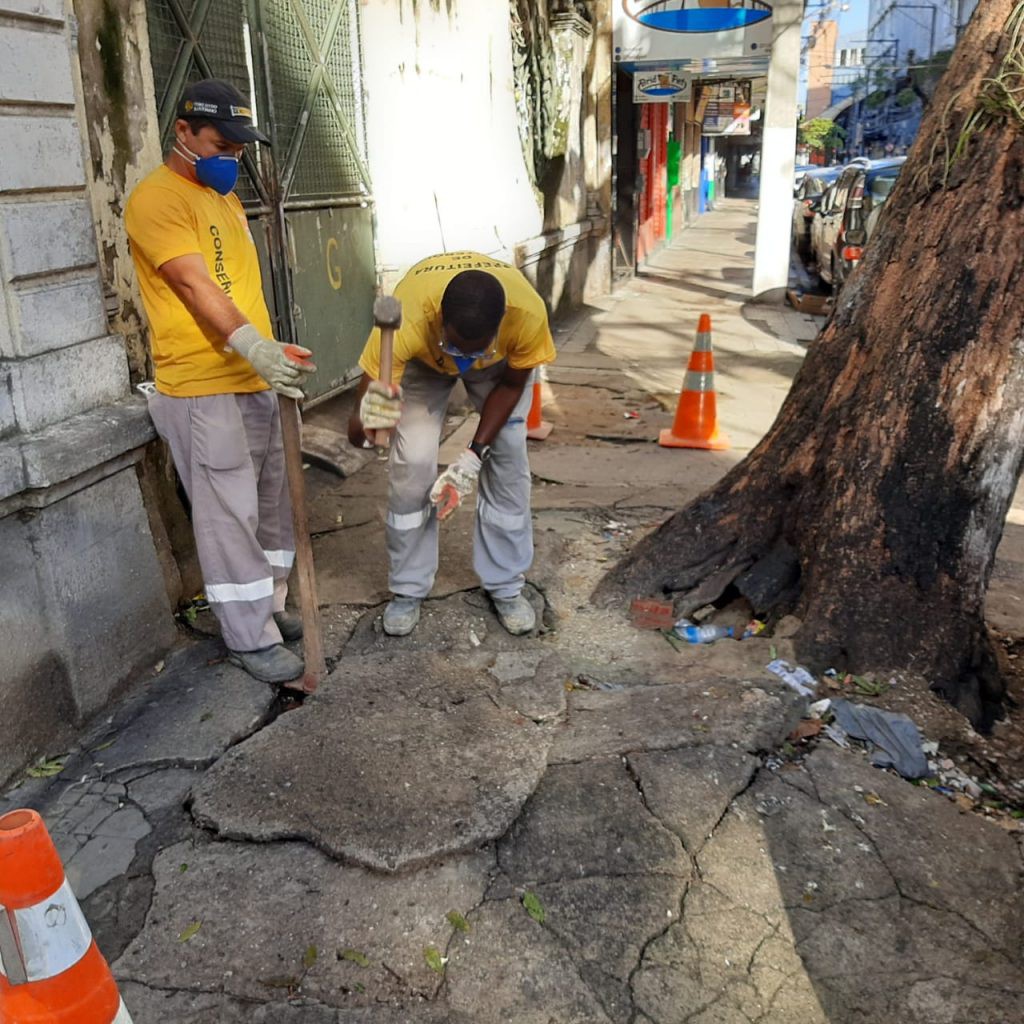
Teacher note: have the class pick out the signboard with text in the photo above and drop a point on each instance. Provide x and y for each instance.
(662, 85)
(727, 111)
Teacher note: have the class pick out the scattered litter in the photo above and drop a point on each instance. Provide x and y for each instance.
(819, 707)
(798, 678)
(586, 683)
(158, 667)
(893, 739)
(753, 628)
(686, 630)
(473, 638)
(632, 414)
(837, 736)
(339, 518)
(806, 728)
(874, 800)
(647, 613)
(190, 931)
(768, 806)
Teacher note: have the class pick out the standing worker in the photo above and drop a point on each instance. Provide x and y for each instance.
(469, 316)
(217, 370)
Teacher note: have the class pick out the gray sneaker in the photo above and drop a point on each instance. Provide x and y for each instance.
(270, 665)
(290, 625)
(516, 614)
(401, 615)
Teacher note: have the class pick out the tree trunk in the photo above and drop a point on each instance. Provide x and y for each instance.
(873, 507)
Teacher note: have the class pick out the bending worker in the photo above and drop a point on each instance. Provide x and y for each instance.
(469, 316)
(217, 370)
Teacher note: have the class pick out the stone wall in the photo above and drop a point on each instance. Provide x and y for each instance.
(82, 603)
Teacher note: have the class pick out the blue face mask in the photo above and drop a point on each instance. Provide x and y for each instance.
(461, 359)
(217, 172)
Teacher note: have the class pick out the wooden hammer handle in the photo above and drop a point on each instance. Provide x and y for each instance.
(312, 643)
(387, 315)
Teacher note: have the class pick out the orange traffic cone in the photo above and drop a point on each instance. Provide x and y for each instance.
(51, 971)
(696, 422)
(537, 428)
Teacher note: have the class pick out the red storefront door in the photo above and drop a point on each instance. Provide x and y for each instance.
(653, 179)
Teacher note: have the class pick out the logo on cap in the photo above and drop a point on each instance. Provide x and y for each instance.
(241, 112)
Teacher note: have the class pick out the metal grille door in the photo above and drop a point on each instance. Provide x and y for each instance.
(309, 195)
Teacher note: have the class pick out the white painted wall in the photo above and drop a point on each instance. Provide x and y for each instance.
(447, 166)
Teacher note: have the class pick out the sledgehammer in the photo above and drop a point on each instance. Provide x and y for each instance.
(312, 644)
(387, 315)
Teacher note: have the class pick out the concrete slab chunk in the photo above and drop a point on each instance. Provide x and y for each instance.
(588, 821)
(689, 790)
(663, 717)
(287, 920)
(397, 761)
(511, 969)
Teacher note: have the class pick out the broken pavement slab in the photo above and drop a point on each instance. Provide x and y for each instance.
(674, 715)
(509, 968)
(691, 788)
(397, 760)
(261, 923)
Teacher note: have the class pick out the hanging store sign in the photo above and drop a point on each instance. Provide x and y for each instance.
(727, 110)
(672, 30)
(662, 85)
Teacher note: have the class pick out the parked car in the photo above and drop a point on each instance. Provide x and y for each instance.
(809, 190)
(840, 229)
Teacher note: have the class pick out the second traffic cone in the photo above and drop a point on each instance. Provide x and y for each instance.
(51, 971)
(696, 422)
(536, 427)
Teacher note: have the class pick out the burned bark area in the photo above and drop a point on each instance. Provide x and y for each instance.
(873, 507)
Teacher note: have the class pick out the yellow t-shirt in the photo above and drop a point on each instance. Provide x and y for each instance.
(169, 216)
(524, 338)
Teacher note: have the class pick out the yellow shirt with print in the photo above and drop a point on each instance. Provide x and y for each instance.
(169, 216)
(524, 338)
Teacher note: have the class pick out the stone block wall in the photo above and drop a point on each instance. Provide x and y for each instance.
(83, 604)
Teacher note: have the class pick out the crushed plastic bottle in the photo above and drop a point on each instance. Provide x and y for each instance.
(701, 634)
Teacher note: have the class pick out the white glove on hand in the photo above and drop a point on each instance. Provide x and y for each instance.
(455, 483)
(381, 406)
(270, 359)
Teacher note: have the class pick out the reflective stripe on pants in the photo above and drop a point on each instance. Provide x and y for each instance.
(230, 457)
(503, 533)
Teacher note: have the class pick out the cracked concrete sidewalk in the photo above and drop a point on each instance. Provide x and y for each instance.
(584, 826)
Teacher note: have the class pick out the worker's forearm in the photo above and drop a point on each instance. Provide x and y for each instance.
(205, 300)
(496, 411)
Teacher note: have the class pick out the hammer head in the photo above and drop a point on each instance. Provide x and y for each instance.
(387, 312)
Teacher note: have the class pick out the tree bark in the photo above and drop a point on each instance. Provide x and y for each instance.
(873, 507)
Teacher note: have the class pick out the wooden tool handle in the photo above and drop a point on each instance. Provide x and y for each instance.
(291, 427)
(387, 351)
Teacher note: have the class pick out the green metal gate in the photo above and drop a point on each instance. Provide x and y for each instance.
(308, 196)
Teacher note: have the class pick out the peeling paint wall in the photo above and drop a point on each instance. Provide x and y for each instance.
(124, 146)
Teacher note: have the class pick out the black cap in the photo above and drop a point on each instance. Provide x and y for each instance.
(222, 104)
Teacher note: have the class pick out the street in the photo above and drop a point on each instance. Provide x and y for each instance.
(582, 826)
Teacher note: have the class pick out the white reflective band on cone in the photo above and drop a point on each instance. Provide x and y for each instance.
(123, 1016)
(699, 380)
(53, 935)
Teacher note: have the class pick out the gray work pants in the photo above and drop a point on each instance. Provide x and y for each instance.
(503, 536)
(230, 457)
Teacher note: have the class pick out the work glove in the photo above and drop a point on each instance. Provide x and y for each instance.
(381, 406)
(455, 483)
(283, 367)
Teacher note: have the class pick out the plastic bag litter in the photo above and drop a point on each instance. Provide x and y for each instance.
(798, 678)
(893, 739)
